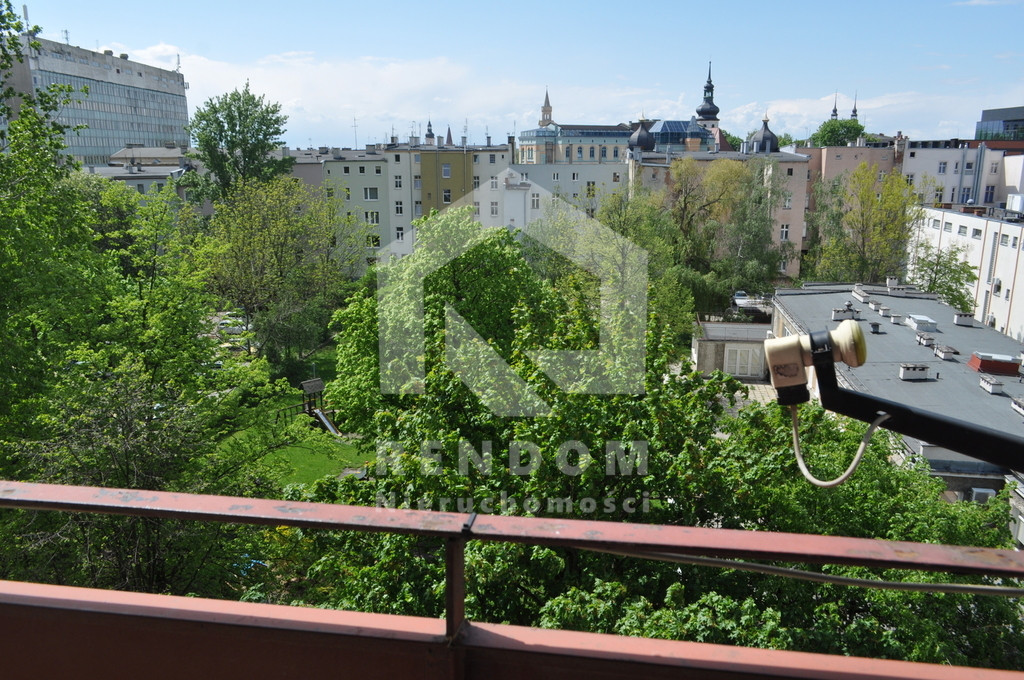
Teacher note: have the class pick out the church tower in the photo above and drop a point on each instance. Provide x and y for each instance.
(707, 112)
(545, 111)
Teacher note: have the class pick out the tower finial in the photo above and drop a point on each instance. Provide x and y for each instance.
(835, 105)
(854, 115)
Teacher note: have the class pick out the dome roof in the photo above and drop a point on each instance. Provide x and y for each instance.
(764, 140)
(707, 110)
(642, 138)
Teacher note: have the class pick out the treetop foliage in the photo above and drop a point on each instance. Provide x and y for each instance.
(837, 132)
(235, 136)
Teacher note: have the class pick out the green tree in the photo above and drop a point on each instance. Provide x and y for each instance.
(49, 272)
(877, 225)
(702, 468)
(235, 136)
(140, 402)
(946, 272)
(837, 133)
(284, 253)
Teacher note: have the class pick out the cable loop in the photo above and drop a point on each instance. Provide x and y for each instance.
(882, 417)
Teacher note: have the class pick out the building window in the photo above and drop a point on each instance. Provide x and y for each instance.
(348, 193)
(141, 188)
(446, 195)
(976, 234)
(1013, 242)
(398, 181)
(787, 203)
(604, 152)
(344, 169)
(579, 153)
(362, 169)
(554, 177)
(494, 208)
(961, 230)
(399, 233)
(491, 159)
(784, 232)
(417, 209)
(789, 172)
(1007, 296)
(417, 182)
(371, 217)
(591, 189)
(1004, 239)
(494, 182)
(446, 170)
(568, 153)
(535, 201)
(476, 181)
(369, 193)
(968, 168)
(398, 158)
(415, 158)
(615, 152)
(994, 168)
(947, 227)
(910, 179)
(965, 194)
(942, 167)
(575, 177)
(592, 153)
(377, 170)
(399, 209)
(615, 177)
(990, 193)
(372, 241)
(935, 224)
(956, 168)
(476, 207)
(476, 158)
(881, 175)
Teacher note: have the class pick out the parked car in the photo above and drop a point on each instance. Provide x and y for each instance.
(741, 299)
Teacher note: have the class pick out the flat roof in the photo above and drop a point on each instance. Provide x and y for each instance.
(952, 389)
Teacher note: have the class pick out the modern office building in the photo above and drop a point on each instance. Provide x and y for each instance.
(1006, 124)
(127, 104)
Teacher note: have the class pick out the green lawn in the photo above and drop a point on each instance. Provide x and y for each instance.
(304, 464)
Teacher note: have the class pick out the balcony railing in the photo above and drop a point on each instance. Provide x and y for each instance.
(55, 631)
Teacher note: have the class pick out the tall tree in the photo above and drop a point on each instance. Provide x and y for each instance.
(881, 210)
(235, 136)
(944, 271)
(837, 133)
(283, 252)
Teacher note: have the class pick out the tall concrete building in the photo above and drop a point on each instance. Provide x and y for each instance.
(128, 103)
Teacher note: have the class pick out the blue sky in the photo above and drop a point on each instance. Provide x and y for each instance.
(923, 67)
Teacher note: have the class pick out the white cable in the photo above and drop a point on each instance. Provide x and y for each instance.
(882, 416)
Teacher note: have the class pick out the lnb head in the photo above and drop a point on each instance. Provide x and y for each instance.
(789, 357)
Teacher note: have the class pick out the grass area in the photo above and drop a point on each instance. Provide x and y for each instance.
(307, 463)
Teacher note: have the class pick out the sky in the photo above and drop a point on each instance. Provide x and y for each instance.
(352, 73)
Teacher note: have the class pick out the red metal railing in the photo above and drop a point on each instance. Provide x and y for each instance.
(638, 540)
